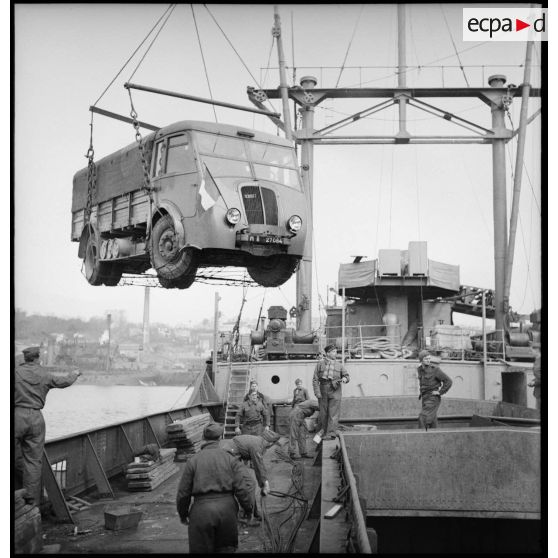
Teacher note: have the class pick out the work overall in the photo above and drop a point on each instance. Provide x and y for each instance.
(297, 431)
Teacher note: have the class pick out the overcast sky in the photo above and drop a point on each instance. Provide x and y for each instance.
(365, 197)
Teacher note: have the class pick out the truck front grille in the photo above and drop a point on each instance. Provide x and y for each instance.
(260, 205)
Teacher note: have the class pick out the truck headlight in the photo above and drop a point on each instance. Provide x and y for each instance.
(294, 223)
(233, 216)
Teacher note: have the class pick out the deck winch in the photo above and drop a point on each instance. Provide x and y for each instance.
(279, 341)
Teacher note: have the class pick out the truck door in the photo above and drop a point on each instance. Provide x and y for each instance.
(175, 173)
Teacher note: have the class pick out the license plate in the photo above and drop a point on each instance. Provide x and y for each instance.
(265, 239)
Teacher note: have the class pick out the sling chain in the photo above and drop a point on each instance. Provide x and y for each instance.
(141, 147)
(91, 177)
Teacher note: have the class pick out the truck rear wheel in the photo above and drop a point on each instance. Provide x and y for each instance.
(272, 271)
(175, 267)
(98, 272)
(114, 275)
(95, 270)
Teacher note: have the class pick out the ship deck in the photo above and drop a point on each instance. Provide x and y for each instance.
(160, 530)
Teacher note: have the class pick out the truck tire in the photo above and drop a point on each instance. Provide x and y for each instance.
(95, 270)
(272, 271)
(181, 283)
(114, 275)
(173, 266)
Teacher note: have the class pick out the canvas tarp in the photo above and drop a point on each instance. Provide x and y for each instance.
(360, 274)
(443, 275)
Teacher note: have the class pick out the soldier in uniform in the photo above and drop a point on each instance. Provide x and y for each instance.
(251, 450)
(300, 393)
(215, 480)
(328, 377)
(433, 383)
(297, 427)
(253, 417)
(31, 386)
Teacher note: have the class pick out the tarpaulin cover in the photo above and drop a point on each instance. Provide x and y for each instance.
(118, 173)
(443, 275)
(360, 274)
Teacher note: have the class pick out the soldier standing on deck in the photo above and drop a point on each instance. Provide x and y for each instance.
(31, 385)
(253, 417)
(433, 383)
(328, 377)
(216, 481)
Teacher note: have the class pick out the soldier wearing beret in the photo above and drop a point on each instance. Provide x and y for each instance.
(31, 385)
(328, 377)
(433, 383)
(215, 480)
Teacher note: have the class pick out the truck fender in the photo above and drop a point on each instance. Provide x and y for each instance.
(88, 230)
(171, 209)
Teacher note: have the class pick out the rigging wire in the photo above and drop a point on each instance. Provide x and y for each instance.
(411, 69)
(151, 43)
(236, 52)
(415, 50)
(132, 55)
(454, 45)
(349, 45)
(203, 61)
(527, 253)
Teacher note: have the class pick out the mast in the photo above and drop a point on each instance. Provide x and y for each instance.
(304, 275)
(401, 70)
(276, 32)
(499, 202)
(518, 172)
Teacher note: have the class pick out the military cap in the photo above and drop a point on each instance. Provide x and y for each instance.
(270, 436)
(423, 354)
(32, 352)
(213, 431)
(329, 347)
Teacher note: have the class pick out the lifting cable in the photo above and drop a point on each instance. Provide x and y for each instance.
(236, 52)
(91, 168)
(349, 45)
(454, 46)
(203, 60)
(133, 54)
(171, 9)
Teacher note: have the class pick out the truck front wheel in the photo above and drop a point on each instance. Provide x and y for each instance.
(175, 267)
(272, 271)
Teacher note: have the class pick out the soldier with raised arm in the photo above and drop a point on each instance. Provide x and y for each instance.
(32, 383)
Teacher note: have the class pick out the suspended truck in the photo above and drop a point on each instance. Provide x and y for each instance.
(190, 195)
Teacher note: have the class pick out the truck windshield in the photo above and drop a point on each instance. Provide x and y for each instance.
(228, 156)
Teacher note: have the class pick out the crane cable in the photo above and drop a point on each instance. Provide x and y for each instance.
(236, 52)
(454, 46)
(134, 53)
(203, 61)
(151, 43)
(349, 45)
